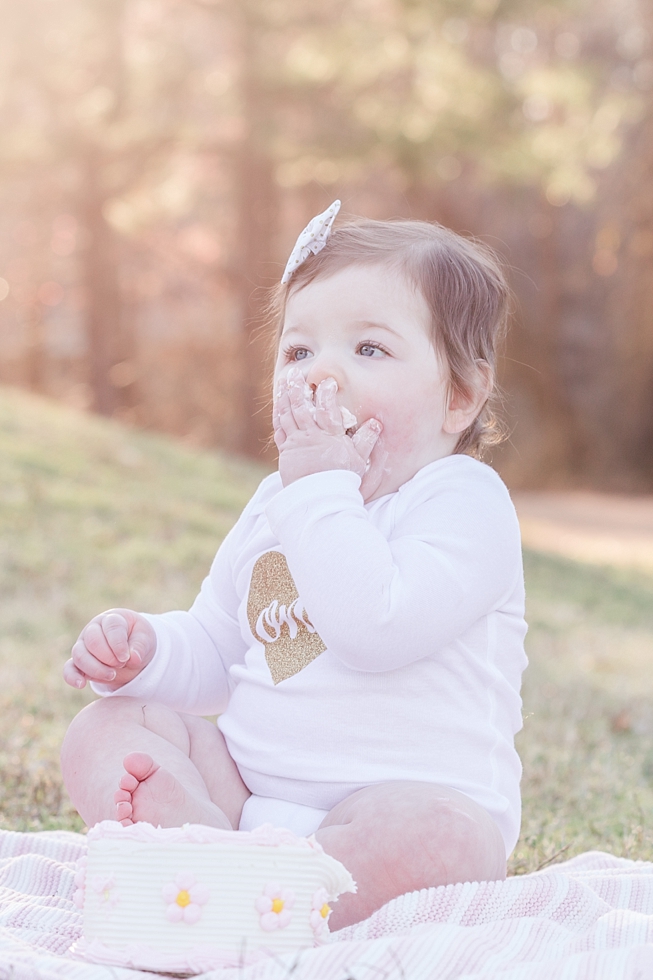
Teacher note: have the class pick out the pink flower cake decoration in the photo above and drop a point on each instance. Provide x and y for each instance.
(274, 906)
(106, 889)
(184, 898)
(320, 911)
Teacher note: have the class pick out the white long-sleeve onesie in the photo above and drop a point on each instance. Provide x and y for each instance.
(348, 644)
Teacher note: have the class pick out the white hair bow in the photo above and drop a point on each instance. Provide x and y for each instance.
(312, 239)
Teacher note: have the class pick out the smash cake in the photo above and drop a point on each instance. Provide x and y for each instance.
(190, 899)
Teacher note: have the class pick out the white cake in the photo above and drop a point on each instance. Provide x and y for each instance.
(193, 898)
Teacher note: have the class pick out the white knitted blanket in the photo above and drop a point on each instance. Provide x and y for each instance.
(590, 918)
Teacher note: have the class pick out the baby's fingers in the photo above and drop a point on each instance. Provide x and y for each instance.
(89, 666)
(73, 676)
(94, 640)
(279, 432)
(285, 420)
(142, 642)
(300, 400)
(366, 438)
(116, 631)
(327, 411)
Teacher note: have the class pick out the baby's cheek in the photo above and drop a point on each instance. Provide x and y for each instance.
(401, 432)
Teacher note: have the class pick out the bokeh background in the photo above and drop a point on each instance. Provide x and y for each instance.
(157, 161)
(159, 157)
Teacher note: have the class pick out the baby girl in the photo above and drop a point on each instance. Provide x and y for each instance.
(361, 629)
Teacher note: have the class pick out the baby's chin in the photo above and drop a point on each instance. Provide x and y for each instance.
(388, 470)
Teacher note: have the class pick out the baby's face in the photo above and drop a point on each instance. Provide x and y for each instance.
(368, 328)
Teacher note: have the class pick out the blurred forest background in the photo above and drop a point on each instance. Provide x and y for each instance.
(159, 157)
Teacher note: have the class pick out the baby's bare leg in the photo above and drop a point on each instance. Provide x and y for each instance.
(400, 837)
(162, 767)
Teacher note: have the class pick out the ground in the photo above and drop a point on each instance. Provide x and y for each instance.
(93, 515)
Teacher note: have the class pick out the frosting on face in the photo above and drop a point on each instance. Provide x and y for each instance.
(349, 420)
(295, 377)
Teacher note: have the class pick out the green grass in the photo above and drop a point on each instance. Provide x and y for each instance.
(94, 515)
(587, 742)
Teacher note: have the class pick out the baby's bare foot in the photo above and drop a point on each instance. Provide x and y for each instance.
(151, 794)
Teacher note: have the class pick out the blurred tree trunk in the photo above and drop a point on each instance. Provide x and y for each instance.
(625, 235)
(563, 449)
(630, 309)
(257, 218)
(107, 332)
(35, 360)
(36, 354)
(102, 291)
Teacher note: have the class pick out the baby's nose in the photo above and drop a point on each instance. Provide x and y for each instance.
(320, 371)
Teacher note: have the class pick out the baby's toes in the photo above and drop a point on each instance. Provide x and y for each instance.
(123, 811)
(122, 796)
(128, 782)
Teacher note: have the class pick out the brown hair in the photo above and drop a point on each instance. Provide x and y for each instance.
(462, 283)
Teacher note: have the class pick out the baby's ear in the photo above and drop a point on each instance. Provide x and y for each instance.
(464, 405)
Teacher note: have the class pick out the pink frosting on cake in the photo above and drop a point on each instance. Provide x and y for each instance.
(192, 833)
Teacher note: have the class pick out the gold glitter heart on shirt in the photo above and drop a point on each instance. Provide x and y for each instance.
(278, 619)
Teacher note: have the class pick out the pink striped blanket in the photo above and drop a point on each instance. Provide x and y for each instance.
(590, 918)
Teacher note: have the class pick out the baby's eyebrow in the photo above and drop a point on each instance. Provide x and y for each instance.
(375, 325)
(354, 327)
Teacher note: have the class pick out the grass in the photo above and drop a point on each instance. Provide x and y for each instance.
(587, 742)
(94, 515)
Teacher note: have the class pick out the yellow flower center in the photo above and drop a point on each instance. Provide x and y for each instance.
(277, 905)
(183, 898)
(324, 911)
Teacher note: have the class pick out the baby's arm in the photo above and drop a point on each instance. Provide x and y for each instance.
(177, 658)
(112, 649)
(381, 599)
(184, 656)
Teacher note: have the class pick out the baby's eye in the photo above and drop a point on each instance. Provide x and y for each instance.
(371, 350)
(297, 353)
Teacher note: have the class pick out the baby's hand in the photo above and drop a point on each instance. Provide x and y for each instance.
(312, 438)
(112, 649)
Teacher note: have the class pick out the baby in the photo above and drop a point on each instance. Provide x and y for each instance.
(361, 629)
